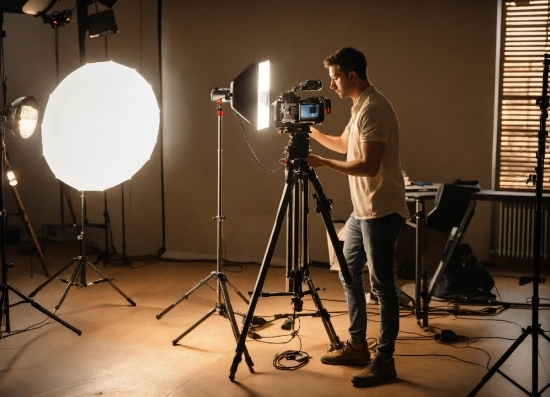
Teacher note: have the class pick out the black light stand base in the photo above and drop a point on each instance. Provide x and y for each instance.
(4, 304)
(55, 276)
(80, 271)
(224, 309)
(535, 332)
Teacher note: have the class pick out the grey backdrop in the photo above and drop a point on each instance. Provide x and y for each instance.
(434, 60)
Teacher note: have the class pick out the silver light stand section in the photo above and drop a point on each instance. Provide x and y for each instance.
(223, 303)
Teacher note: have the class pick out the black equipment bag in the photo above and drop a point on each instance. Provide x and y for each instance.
(465, 278)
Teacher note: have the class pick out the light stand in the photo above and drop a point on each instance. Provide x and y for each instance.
(101, 175)
(298, 173)
(81, 261)
(534, 329)
(249, 96)
(5, 287)
(80, 269)
(222, 307)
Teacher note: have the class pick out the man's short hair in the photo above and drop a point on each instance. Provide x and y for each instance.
(348, 59)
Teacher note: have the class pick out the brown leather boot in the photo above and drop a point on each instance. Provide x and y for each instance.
(376, 371)
(348, 355)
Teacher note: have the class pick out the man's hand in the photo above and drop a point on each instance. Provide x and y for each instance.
(315, 161)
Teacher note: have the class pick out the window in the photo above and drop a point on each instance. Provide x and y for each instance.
(524, 41)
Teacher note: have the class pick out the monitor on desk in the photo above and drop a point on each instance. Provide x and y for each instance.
(451, 203)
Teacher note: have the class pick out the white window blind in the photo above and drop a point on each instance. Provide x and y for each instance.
(524, 41)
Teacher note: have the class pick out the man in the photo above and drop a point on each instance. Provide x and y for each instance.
(371, 141)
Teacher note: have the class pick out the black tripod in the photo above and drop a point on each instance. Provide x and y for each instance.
(297, 177)
(534, 329)
(80, 268)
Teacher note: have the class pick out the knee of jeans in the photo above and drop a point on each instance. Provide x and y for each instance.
(384, 291)
(356, 277)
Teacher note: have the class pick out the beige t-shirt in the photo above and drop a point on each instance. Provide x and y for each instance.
(373, 119)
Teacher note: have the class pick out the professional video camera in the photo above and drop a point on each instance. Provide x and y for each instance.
(293, 114)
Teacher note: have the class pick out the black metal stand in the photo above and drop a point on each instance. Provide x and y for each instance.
(534, 329)
(298, 174)
(80, 269)
(5, 287)
(223, 307)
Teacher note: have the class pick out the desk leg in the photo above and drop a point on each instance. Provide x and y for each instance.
(419, 264)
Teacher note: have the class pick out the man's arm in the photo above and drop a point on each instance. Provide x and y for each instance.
(367, 165)
(336, 143)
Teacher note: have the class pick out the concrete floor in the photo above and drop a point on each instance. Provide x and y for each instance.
(126, 351)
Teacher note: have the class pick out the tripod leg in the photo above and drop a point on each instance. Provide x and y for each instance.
(33, 293)
(501, 361)
(323, 207)
(46, 312)
(185, 296)
(281, 212)
(191, 328)
(78, 268)
(232, 320)
(112, 284)
(238, 292)
(5, 307)
(325, 316)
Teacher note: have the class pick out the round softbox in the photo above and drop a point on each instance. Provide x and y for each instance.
(100, 126)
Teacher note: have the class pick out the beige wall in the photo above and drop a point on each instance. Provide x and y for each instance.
(433, 59)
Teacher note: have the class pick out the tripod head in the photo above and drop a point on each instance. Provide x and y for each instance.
(298, 145)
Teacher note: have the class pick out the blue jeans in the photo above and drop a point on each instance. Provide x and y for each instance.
(373, 241)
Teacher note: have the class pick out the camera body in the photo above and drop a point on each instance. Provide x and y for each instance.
(293, 113)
